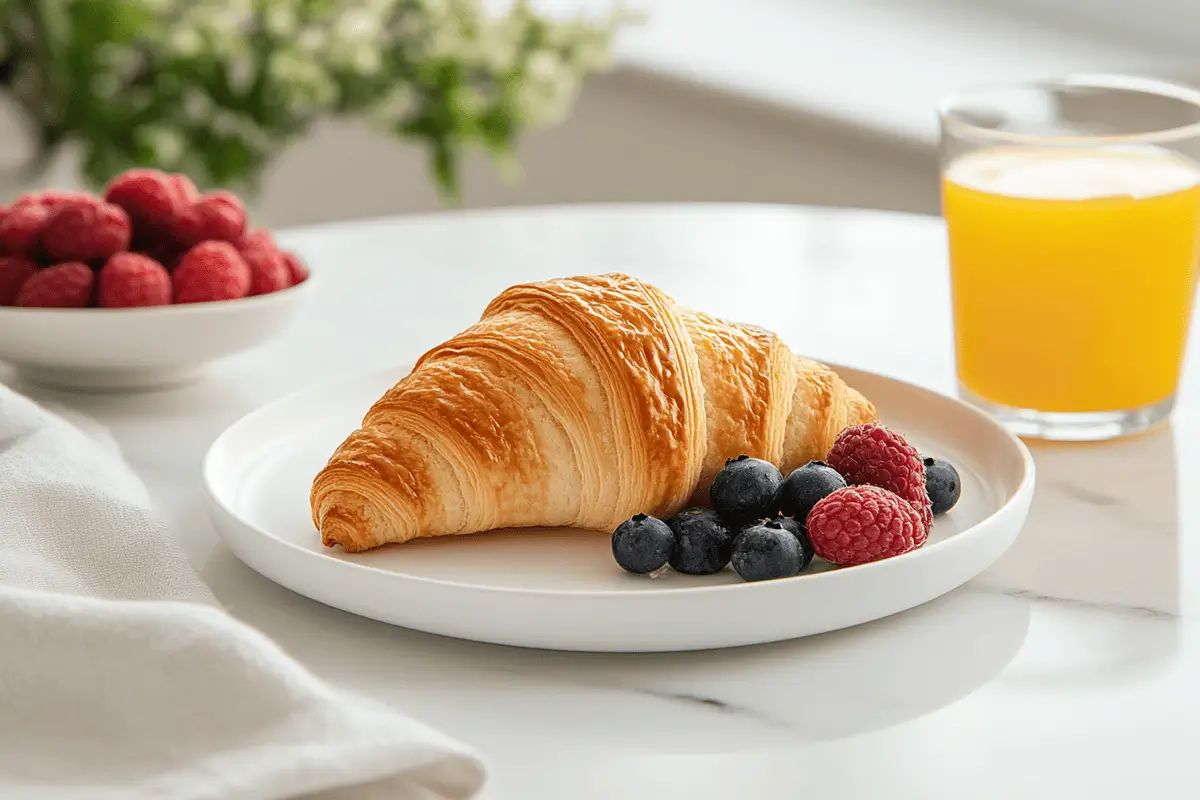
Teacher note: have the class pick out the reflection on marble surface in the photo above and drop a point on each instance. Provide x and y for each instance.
(1104, 527)
(738, 699)
(1103, 540)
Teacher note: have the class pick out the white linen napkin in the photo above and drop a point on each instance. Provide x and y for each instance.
(120, 677)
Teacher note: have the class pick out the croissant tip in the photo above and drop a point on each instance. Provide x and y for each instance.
(347, 545)
(331, 536)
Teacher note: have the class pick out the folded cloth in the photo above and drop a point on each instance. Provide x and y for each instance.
(120, 677)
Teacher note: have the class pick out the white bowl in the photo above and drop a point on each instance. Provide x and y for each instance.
(138, 348)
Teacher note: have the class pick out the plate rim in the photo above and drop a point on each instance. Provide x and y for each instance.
(1017, 498)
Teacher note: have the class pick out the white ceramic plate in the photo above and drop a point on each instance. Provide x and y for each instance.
(560, 588)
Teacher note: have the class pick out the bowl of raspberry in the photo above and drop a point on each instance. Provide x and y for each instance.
(140, 287)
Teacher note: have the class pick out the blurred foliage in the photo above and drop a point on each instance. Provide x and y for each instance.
(215, 88)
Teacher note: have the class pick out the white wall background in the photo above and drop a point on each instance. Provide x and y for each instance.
(632, 137)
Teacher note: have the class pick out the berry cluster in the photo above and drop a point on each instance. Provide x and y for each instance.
(874, 499)
(151, 240)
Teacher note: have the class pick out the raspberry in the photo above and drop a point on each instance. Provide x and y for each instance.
(297, 269)
(211, 271)
(259, 237)
(129, 280)
(21, 231)
(85, 232)
(53, 199)
(150, 198)
(268, 270)
(215, 216)
(875, 455)
(63, 286)
(859, 524)
(184, 188)
(188, 230)
(13, 274)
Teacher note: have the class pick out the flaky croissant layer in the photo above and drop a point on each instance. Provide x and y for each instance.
(575, 402)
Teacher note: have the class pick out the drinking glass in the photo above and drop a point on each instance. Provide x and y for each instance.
(1073, 213)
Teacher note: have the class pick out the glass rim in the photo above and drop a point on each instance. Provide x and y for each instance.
(1147, 86)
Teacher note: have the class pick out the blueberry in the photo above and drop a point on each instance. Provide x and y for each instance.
(642, 544)
(745, 526)
(794, 527)
(797, 529)
(943, 484)
(703, 542)
(767, 551)
(807, 486)
(745, 489)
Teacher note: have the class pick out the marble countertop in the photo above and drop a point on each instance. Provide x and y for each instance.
(1070, 669)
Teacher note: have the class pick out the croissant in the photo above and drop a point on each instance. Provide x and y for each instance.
(575, 402)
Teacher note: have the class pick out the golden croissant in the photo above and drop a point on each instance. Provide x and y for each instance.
(575, 402)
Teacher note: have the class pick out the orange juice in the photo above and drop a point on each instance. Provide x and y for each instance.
(1073, 274)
